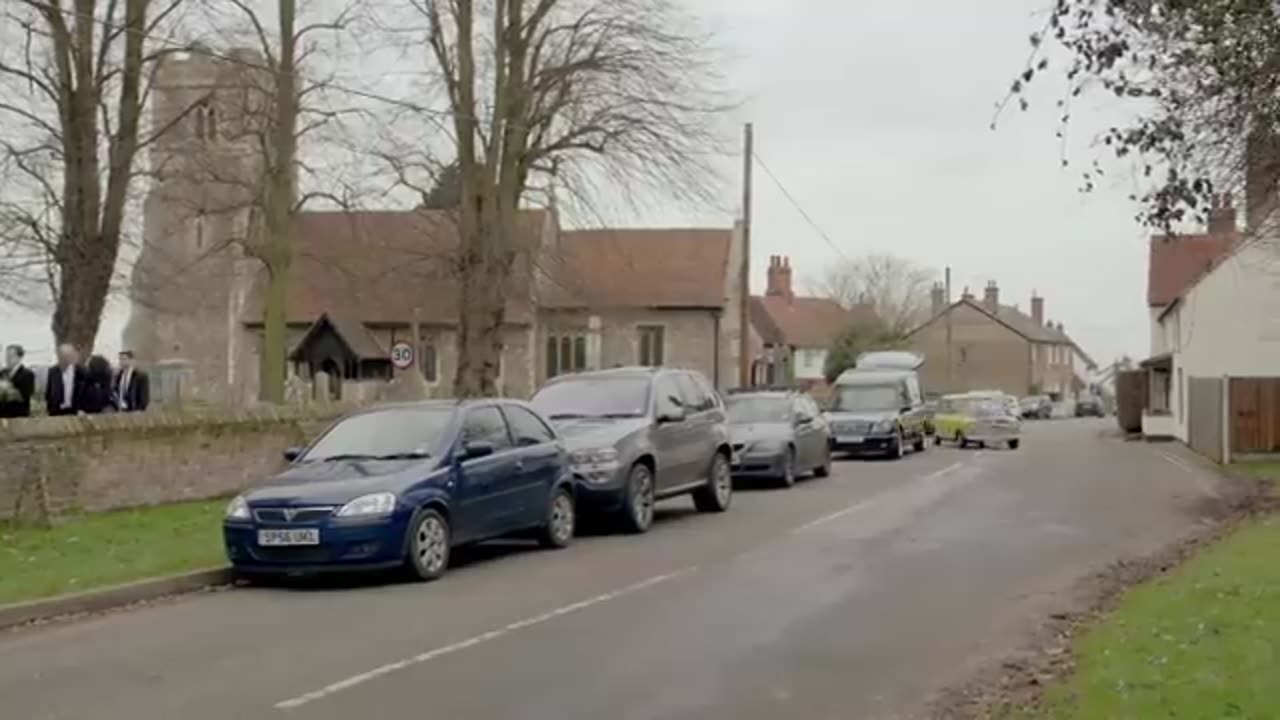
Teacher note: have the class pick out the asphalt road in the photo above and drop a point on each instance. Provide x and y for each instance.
(853, 596)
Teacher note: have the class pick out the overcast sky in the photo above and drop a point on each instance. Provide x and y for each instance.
(875, 116)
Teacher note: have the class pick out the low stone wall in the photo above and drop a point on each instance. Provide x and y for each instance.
(50, 467)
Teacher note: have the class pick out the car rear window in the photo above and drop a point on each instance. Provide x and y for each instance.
(594, 396)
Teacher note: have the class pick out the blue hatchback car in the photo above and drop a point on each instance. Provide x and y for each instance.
(401, 485)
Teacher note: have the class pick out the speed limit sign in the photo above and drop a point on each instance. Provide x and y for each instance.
(402, 355)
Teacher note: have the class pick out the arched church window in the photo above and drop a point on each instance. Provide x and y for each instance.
(212, 122)
(200, 230)
(200, 122)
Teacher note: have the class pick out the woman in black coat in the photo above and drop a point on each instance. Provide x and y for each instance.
(97, 391)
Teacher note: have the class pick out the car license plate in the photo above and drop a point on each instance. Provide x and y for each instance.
(851, 439)
(307, 536)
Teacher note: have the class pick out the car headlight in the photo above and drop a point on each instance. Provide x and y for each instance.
(886, 425)
(237, 509)
(596, 456)
(383, 503)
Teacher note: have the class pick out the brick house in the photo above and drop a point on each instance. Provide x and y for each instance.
(363, 280)
(791, 335)
(999, 347)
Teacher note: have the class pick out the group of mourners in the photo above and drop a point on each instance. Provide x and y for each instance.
(73, 387)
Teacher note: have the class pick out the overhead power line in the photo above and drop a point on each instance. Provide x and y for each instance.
(796, 204)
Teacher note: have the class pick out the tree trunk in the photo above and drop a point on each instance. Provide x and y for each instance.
(85, 278)
(272, 370)
(280, 211)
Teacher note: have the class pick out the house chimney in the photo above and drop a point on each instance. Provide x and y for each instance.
(1262, 170)
(991, 296)
(1037, 308)
(779, 279)
(1222, 215)
(966, 295)
(938, 298)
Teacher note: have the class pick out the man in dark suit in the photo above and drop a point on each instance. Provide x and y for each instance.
(65, 387)
(22, 380)
(131, 390)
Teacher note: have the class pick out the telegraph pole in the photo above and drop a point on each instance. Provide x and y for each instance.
(947, 309)
(744, 328)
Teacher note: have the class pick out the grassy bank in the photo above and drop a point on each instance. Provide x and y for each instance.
(109, 548)
(1203, 642)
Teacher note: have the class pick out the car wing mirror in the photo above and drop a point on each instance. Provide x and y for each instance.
(473, 449)
(292, 454)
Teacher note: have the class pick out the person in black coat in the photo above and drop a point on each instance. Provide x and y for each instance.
(97, 391)
(22, 380)
(64, 389)
(131, 391)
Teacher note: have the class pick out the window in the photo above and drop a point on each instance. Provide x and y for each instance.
(694, 397)
(486, 425)
(594, 396)
(527, 428)
(428, 362)
(652, 350)
(566, 354)
(200, 230)
(668, 400)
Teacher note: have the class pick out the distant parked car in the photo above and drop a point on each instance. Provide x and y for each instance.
(640, 435)
(778, 435)
(877, 407)
(1037, 407)
(404, 484)
(1089, 406)
(976, 420)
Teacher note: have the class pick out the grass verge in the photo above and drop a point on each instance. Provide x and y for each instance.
(109, 548)
(1202, 642)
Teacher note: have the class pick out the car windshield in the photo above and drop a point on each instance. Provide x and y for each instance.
(866, 398)
(987, 408)
(758, 409)
(392, 433)
(594, 397)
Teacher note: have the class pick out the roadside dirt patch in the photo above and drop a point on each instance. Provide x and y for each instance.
(1018, 681)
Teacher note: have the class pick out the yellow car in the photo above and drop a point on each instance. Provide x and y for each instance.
(975, 420)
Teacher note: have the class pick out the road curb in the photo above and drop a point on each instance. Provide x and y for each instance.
(111, 597)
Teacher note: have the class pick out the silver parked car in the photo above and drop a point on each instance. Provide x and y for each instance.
(639, 435)
(778, 435)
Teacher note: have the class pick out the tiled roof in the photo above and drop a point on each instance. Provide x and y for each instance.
(636, 268)
(802, 321)
(1176, 262)
(357, 337)
(377, 267)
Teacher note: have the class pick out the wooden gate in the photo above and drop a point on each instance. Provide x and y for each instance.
(1131, 398)
(1204, 416)
(1255, 415)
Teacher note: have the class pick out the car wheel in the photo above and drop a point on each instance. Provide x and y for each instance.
(899, 449)
(717, 494)
(788, 478)
(637, 506)
(429, 545)
(1013, 444)
(561, 521)
(824, 470)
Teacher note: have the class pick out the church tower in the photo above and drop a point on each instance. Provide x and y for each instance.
(191, 278)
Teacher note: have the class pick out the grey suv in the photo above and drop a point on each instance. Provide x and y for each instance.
(639, 435)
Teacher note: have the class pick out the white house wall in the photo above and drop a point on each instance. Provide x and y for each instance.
(1228, 323)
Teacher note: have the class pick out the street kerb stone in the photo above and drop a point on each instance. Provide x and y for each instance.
(108, 598)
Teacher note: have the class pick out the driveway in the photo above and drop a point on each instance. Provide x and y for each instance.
(854, 596)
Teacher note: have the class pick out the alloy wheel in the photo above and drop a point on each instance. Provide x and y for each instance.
(722, 480)
(642, 496)
(432, 544)
(562, 518)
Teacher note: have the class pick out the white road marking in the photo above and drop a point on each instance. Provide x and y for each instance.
(866, 503)
(1191, 470)
(354, 680)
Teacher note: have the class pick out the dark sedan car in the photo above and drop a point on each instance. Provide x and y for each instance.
(639, 435)
(778, 435)
(402, 485)
(1089, 406)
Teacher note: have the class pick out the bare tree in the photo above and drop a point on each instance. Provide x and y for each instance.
(896, 287)
(1204, 78)
(591, 90)
(73, 84)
